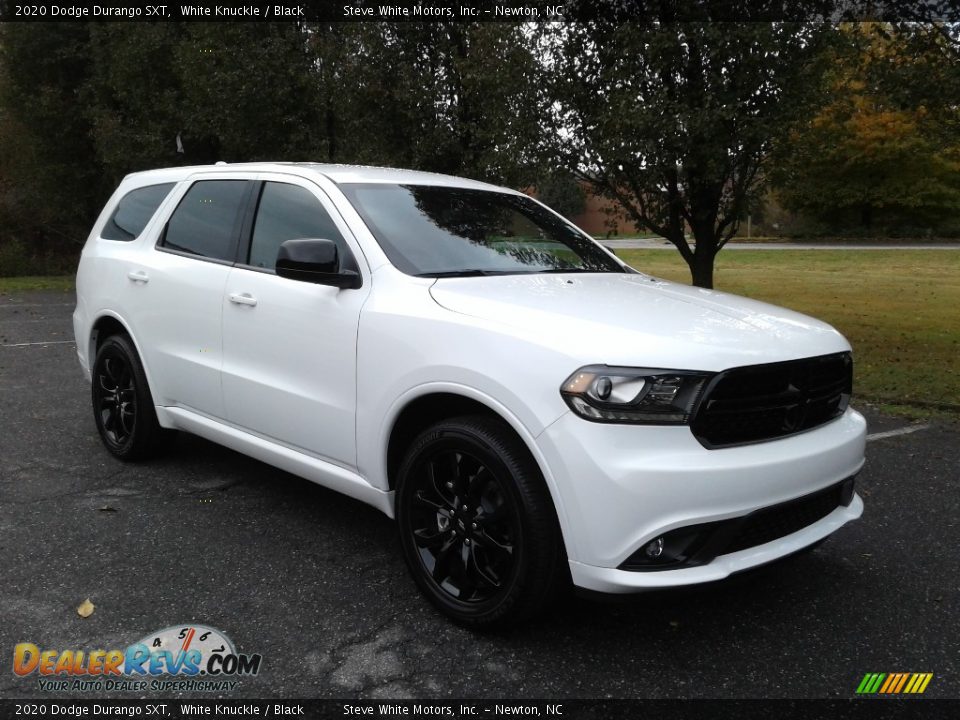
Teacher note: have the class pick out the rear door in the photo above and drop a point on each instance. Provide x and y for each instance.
(289, 347)
(178, 292)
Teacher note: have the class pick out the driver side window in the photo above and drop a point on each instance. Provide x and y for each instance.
(286, 212)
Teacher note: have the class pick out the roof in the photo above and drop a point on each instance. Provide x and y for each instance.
(337, 173)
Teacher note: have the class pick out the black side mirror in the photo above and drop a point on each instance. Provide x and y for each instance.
(314, 260)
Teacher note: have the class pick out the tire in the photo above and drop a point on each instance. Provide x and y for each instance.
(122, 404)
(477, 526)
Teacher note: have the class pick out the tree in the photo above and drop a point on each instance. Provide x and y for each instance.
(48, 148)
(82, 105)
(886, 147)
(458, 98)
(249, 91)
(563, 192)
(132, 97)
(230, 91)
(674, 121)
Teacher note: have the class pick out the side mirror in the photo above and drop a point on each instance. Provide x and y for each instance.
(314, 260)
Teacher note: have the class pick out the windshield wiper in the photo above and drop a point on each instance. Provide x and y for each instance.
(461, 273)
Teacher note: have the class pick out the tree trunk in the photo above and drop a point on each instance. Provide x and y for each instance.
(701, 264)
(701, 269)
(331, 133)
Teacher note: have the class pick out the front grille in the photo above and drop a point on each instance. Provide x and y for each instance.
(763, 402)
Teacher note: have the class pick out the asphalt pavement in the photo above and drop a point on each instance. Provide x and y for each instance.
(314, 581)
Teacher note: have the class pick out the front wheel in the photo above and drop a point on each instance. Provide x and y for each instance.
(122, 404)
(477, 525)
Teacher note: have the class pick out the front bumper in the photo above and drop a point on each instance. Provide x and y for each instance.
(620, 486)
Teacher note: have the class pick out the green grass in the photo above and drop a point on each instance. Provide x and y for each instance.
(36, 282)
(900, 310)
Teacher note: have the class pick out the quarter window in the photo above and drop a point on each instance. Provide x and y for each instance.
(287, 212)
(205, 222)
(134, 211)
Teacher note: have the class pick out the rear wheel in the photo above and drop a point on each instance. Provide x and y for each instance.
(477, 525)
(122, 404)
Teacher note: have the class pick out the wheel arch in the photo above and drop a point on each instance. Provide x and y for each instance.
(106, 324)
(425, 406)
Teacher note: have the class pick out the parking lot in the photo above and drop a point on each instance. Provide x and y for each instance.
(315, 583)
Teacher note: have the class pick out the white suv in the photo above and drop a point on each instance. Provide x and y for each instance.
(529, 409)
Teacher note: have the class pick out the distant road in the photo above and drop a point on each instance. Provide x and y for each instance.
(660, 244)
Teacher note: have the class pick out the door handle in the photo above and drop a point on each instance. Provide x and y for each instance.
(243, 299)
(138, 276)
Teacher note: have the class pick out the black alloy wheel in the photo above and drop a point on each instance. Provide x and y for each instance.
(463, 524)
(116, 399)
(122, 405)
(477, 526)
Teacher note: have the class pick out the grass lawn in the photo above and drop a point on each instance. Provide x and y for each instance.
(900, 309)
(37, 282)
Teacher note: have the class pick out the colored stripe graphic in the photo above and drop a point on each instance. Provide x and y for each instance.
(891, 680)
(894, 683)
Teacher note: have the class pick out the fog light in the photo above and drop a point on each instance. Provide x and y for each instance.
(654, 548)
(674, 549)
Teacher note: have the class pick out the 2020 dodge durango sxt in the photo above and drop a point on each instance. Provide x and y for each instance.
(528, 408)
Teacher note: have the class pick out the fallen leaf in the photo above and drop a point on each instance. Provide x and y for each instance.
(86, 608)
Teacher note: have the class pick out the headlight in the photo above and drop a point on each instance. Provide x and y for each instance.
(634, 395)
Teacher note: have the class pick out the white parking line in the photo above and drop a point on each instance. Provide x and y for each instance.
(48, 342)
(894, 433)
(17, 306)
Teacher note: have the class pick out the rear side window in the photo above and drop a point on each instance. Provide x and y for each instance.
(206, 222)
(134, 211)
(287, 212)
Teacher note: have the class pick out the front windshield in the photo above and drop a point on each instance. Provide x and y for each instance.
(434, 231)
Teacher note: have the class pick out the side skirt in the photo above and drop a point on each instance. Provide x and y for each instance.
(306, 466)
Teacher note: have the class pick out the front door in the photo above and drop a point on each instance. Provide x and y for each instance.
(289, 347)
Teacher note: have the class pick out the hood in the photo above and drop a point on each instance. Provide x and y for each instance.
(638, 320)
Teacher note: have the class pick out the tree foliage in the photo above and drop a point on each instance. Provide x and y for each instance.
(886, 146)
(450, 97)
(675, 121)
(563, 192)
(89, 103)
(48, 145)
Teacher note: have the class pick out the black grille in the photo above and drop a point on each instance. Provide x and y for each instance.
(769, 524)
(762, 402)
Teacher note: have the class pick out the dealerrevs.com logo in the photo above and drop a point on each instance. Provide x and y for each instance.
(178, 658)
